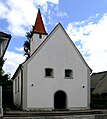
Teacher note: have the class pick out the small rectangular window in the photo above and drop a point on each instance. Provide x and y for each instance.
(48, 72)
(40, 36)
(68, 73)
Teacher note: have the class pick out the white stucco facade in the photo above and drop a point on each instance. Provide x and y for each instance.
(58, 53)
(4, 42)
(36, 41)
(17, 89)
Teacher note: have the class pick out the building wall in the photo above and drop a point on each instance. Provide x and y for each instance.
(17, 89)
(36, 41)
(3, 44)
(58, 53)
(25, 88)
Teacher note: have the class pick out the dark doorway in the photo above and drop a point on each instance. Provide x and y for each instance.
(60, 100)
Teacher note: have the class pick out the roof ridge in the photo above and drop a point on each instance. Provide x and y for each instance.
(99, 72)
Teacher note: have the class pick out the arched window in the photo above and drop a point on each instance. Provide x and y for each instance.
(49, 72)
(68, 73)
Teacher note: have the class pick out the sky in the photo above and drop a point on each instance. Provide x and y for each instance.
(85, 21)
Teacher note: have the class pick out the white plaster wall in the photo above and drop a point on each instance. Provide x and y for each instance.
(35, 42)
(17, 94)
(3, 46)
(60, 54)
(24, 81)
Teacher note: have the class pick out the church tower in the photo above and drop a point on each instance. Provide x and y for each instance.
(39, 33)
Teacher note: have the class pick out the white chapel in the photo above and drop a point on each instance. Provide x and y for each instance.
(55, 76)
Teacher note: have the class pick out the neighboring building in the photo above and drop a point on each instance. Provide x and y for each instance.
(55, 76)
(99, 83)
(99, 90)
(4, 41)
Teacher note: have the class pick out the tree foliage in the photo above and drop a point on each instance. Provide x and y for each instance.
(7, 86)
(26, 44)
(1, 65)
(29, 35)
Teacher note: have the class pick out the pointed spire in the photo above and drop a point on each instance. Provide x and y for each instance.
(39, 25)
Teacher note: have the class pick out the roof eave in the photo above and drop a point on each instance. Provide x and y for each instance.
(4, 36)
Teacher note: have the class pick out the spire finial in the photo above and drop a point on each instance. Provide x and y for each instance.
(39, 6)
(39, 25)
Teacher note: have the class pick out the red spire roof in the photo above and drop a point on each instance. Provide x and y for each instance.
(39, 25)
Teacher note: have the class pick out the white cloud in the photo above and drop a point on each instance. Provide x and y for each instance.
(3, 10)
(12, 61)
(55, 14)
(21, 49)
(92, 38)
(20, 15)
(91, 34)
(42, 2)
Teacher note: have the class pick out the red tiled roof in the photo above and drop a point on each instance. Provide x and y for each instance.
(39, 25)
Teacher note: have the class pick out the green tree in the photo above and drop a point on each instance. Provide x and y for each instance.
(1, 65)
(7, 86)
(26, 44)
